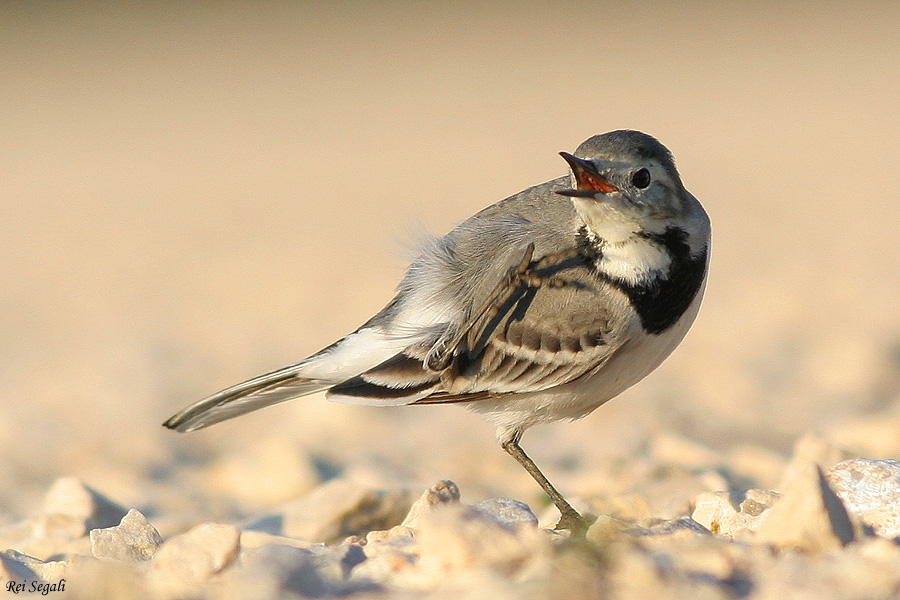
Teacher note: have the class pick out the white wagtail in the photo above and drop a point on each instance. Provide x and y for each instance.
(539, 308)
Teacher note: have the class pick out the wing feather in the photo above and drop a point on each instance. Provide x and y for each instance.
(539, 339)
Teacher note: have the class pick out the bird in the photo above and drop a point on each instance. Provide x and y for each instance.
(539, 308)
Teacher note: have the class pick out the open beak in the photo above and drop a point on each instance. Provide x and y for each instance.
(589, 182)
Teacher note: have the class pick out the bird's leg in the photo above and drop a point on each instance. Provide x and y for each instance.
(520, 274)
(570, 518)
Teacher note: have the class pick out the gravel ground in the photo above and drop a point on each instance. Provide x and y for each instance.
(195, 195)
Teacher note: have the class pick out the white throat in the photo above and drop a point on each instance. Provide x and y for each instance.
(606, 221)
(626, 253)
(635, 261)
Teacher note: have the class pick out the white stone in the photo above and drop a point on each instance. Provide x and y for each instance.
(870, 490)
(133, 539)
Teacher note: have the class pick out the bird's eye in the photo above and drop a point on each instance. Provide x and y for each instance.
(641, 178)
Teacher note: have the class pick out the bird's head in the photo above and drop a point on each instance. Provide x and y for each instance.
(625, 182)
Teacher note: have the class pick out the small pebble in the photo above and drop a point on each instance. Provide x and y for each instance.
(133, 539)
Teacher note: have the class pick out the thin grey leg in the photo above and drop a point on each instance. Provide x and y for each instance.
(570, 519)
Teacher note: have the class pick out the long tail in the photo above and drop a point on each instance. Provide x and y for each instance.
(271, 388)
(350, 356)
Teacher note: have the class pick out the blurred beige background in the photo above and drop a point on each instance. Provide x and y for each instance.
(195, 194)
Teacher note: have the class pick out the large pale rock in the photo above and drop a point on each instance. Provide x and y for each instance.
(183, 563)
(870, 490)
(809, 517)
(341, 508)
(463, 537)
(133, 539)
(393, 555)
(69, 497)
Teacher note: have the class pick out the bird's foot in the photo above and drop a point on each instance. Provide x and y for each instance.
(573, 522)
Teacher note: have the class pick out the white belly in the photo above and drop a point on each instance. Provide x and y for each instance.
(635, 360)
